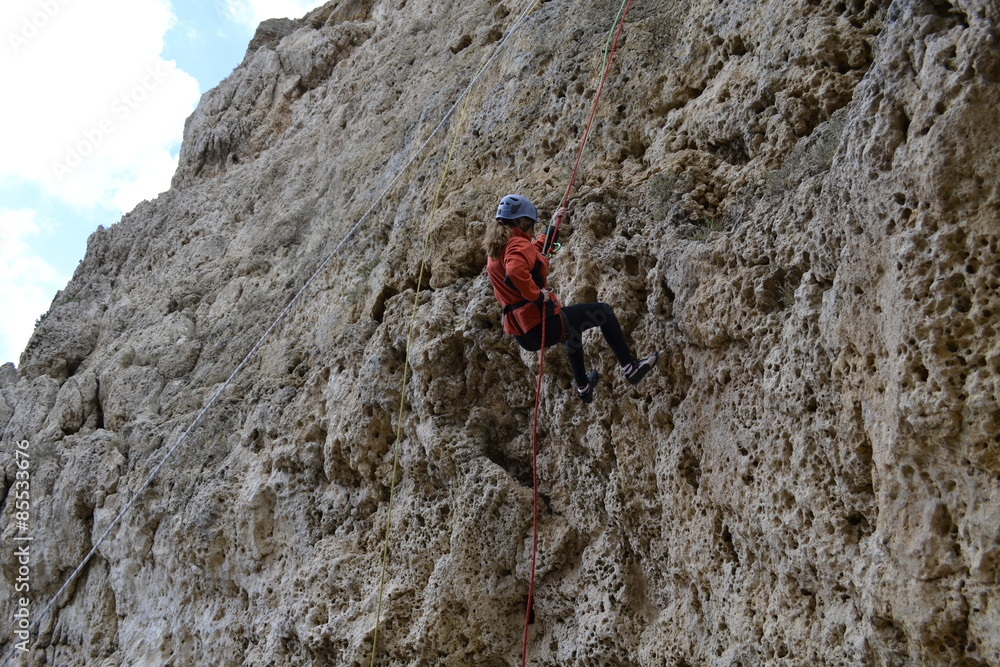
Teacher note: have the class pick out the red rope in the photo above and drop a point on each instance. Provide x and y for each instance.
(534, 500)
(541, 352)
(593, 112)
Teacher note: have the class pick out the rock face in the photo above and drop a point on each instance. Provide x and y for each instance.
(796, 200)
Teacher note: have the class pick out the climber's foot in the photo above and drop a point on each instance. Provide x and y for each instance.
(586, 393)
(638, 368)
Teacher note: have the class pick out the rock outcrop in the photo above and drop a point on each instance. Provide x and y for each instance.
(796, 201)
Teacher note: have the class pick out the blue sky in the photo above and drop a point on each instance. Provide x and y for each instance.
(97, 94)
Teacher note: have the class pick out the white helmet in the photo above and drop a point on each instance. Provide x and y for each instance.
(513, 207)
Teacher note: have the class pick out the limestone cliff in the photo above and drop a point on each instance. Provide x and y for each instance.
(796, 200)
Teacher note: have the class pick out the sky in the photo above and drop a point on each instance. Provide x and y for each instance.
(97, 92)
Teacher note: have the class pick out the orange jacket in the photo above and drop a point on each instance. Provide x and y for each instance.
(518, 276)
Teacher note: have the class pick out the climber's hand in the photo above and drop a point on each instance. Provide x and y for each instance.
(560, 216)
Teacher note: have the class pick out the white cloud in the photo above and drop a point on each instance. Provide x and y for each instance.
(92, 117)
(27, 282)
(93, 111)
(250, 13)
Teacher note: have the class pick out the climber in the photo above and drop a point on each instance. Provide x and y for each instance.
(518, 271)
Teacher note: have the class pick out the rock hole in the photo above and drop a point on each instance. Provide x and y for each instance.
(378, 309)
(690, 468)
(464, 43)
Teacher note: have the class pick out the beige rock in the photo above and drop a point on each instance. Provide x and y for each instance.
(795, 201)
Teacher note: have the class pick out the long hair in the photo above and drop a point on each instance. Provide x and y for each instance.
(496, 238)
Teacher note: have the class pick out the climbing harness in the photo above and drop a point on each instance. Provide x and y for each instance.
(551, 235)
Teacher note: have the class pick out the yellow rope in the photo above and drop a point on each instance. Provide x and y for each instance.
(611, 35)
(406, 368)
(457, 134)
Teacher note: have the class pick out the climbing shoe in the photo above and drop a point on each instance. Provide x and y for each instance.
(637, 370)
(587, 393)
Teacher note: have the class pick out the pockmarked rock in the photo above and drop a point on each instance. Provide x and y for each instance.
(795, 202)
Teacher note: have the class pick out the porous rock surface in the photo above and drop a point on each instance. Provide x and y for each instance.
(795, 200)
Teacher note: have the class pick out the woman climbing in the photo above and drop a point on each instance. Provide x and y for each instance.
(518, 271)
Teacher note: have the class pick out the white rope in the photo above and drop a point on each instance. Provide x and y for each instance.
(72, 577)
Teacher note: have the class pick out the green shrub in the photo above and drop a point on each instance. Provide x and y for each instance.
(661, 189)
(702, 230)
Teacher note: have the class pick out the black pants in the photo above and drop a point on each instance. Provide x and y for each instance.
(579, 318)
